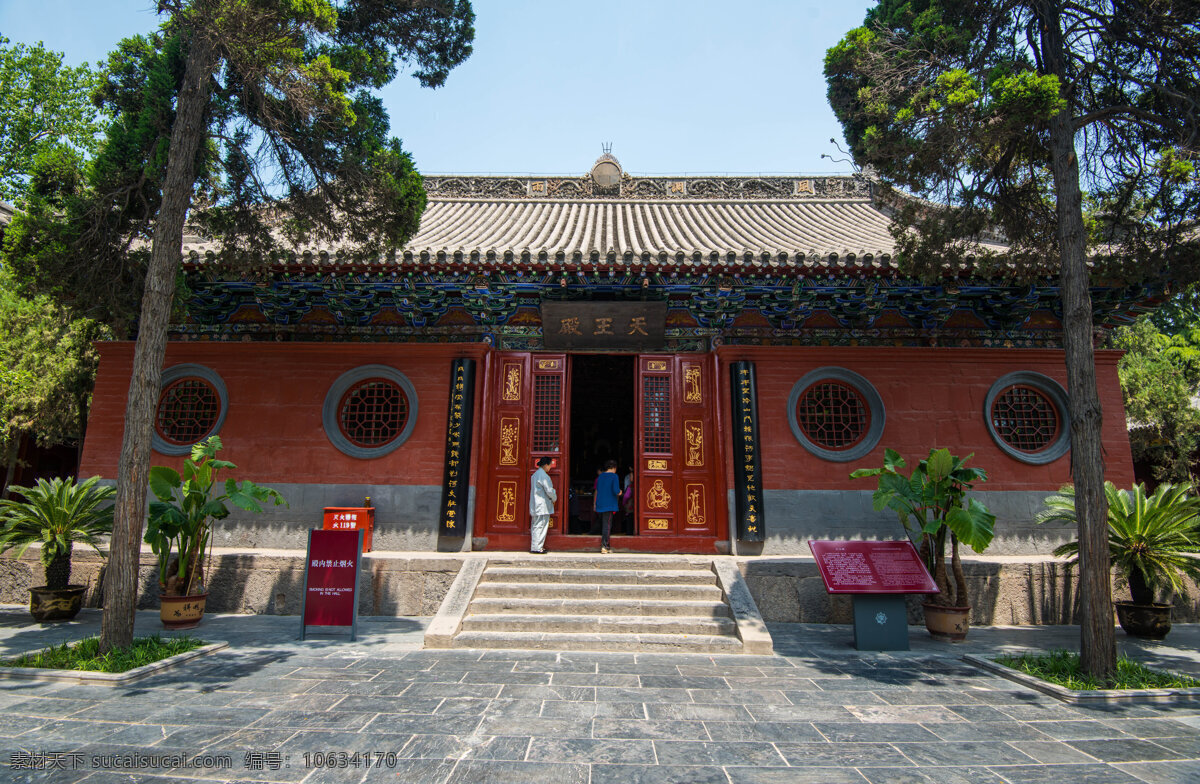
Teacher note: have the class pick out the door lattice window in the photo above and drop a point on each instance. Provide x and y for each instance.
(656, 413)
(547, 404)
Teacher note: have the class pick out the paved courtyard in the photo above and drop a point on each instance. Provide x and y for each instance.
(272, 708)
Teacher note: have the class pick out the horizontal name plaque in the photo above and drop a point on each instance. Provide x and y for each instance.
(638, 326)
(871, 567)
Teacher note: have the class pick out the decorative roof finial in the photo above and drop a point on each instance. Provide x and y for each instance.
(606, 148)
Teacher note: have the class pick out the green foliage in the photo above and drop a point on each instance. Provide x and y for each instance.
(1152, 539)
(85, 654)
(295, 149)
(180, 519)
(931, 501)
(56, 514)
(1063, 669)
(1160, 379)
(951, 100)
(47, 368)
(45, 109)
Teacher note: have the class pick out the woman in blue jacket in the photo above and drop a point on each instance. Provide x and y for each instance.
(608, 500)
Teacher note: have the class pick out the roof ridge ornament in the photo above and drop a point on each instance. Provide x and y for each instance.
(606, 172)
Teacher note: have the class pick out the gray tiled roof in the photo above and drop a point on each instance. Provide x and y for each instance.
(577, 227)
(734, 221)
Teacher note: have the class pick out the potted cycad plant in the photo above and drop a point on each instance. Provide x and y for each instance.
(56, 514)
(1153, 541)
(179, 530)
(932, 503)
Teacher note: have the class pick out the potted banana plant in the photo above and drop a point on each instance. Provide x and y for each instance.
(1153, 541)
(56, 514)
(179, 530)
(932, 503)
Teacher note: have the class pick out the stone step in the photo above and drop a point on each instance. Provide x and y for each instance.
(700, 608)
(610, 591)
(573, 561)
(582, 641)
(521, 574)
(600, 624)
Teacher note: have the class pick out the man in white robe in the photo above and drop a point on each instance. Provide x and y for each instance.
(541, 504)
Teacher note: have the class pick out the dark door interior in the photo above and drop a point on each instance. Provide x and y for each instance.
(602, 428)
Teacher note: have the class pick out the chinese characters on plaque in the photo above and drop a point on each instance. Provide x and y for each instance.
(630, 325)
(331, 579)
(456, 476)
(747, 471)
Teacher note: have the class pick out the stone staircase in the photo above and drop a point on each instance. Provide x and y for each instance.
(588, 602)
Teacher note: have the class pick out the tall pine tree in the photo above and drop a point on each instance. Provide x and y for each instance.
(254, 122)
(1002, 114)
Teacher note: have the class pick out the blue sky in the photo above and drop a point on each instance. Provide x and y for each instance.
(677, 86)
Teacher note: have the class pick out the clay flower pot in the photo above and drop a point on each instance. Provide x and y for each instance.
(1148, 621)
(55, 604)
(949, 624)
(182, 612)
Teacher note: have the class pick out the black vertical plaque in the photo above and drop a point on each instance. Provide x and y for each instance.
(747, 471)
(457, 474)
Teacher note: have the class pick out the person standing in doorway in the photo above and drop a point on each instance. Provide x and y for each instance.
(608, 501)
(541, 503)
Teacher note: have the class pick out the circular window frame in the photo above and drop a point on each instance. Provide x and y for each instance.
(178, 373)
(871, 398)
(1053, 392)
(333, 398)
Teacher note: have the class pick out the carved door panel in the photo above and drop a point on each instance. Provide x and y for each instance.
(677, 467)
(528, 422)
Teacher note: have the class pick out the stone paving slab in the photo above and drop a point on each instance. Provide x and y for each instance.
(271, 708)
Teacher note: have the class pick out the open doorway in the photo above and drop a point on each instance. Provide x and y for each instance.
(602, 428)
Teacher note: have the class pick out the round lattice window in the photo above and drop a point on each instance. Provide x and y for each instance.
(373, 413)
(187, 411)
(836, 414)
(369, 411)
(833, 415)
(1024, 414)
(191, 407)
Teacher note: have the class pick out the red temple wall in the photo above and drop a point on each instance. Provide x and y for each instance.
(273, 429)
(933, 397)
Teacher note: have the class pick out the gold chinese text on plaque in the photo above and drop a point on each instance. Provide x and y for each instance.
(658, 524)
(547, 364)
(506, 502)
(656, 365)
(695, 505)
(691, 384)
(693, 436)
(512, 382)
(657, 496)
(656, 465)
(510, 430)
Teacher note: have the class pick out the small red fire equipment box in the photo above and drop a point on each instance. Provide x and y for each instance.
(351, 518)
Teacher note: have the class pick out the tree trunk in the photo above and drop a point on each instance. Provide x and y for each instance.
(940, 577)
(58, 571)
(961, 599)
(82, 403)
(1139, 590)
(10, 460)
(133, 469)
(1098, 652)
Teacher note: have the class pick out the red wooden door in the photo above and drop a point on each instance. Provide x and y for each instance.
(529, 421)
(677, 466)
